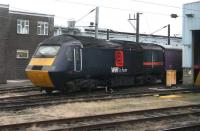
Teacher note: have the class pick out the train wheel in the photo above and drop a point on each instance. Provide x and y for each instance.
(47, 91)
(163, 79)
(71, 87)
(108, 90)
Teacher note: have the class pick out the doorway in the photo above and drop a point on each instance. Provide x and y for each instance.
(196, 56)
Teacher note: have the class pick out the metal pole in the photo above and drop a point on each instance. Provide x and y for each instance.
(137, 27)
(96, 22)
(168, 34)
(108, 34)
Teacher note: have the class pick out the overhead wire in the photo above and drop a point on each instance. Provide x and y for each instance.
(165, 5)
(147, 22)
(25, 10)
(125, 9)
(29, 11)
(158, 30)
(122, 9)
(109, 7)
(130, 10)
(31, 21)
(85, 15)
(154, 32)
(116, 8)
(158, 4)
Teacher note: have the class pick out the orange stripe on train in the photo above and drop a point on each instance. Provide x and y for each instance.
(152, 63)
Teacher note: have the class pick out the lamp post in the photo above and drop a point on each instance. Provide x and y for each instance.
(137, 27)
(168, 27)
(137, 19)
(97, 22)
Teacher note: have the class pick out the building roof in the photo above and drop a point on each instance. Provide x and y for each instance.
(192, 3)
(30, 13)
(4, 6)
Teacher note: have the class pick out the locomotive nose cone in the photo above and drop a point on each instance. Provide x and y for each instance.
(37, 72)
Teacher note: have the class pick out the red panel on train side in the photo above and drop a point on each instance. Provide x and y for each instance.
(119, 58)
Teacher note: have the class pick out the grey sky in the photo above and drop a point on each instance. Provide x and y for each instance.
(113, 13)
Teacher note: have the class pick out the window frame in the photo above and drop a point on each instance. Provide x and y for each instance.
(22, 51)
(22, 26)
(42, 28)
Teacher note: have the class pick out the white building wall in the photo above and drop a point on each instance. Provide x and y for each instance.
(189, 24)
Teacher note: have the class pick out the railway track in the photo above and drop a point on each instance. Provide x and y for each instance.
(191, 127)
(17, 89)
(35, 100)
(114, 120)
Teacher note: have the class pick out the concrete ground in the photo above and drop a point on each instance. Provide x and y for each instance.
(92, 108)
(14, 83)
(100, 107)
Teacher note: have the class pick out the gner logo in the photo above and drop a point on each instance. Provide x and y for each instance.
(118, 70)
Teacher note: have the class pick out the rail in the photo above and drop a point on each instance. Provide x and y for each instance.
(109, 120)
(35, 100)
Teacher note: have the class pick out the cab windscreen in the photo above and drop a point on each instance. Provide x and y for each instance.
(47, 51)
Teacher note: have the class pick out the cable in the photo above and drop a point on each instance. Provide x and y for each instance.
(154, 32)
(108, 7)
(31, 21)
(164, 5)
(25, 10)
(159, 4)
(158, 30)
(85, 15)
(132, 25)
(115, 8)
(20, 9)
(147, 22)
(123, 9)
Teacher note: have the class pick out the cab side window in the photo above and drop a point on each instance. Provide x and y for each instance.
(69, 54)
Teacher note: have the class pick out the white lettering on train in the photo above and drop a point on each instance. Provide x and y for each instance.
(118, 70)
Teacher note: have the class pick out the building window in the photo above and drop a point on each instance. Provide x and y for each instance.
(21, 54)
(22, 26)
(42, 28)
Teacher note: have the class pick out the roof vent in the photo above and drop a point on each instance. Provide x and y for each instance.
(190, 15)
(71, 23)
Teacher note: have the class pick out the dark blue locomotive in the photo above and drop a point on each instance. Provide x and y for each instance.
(74, 62)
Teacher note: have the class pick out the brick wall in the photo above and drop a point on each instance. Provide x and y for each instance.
(4, 23)
(16, 67)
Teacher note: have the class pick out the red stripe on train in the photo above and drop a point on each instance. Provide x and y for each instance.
(152, 63)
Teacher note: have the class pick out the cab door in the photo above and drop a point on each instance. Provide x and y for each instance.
(77, 59)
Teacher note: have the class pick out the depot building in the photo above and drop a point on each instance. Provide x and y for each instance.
(191, 43)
